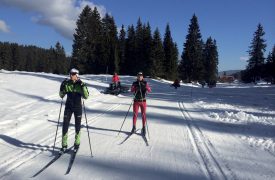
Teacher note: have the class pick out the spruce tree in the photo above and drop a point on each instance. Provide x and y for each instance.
(110, 43)
(267, 73)
(157, 68)
(139, 60)
(60, 59)
(170, 53)
(81, 42)
(147, 48)
(256, 54)
(121, 50)
(273, 65)
(269, 67)
(191, 65)
(130, 52)
(210, 57)
(96, 63)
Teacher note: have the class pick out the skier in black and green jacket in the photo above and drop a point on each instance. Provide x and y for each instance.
(75, 89)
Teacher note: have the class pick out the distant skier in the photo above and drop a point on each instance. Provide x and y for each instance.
(75, 89)
(140, 88)
(176, 83)
(116, 80)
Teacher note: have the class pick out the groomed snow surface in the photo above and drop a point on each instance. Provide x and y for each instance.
(227, 132)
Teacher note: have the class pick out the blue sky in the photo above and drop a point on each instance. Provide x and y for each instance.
(231, 23)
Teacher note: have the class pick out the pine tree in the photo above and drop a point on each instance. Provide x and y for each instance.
(147, 48)
(130, 52)
(121, 50)
(170, 52)
(139, 60)
(267, 73)
(60, 59)
(210, 57)
(96, 63)
(191, 65)
(256, 54)
(270, 67)
(273, 65)
(157, 68)
(174, 62)
(110, 43)
(81, 42)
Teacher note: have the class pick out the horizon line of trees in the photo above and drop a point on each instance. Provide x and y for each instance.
(98, 48)
(33, 59)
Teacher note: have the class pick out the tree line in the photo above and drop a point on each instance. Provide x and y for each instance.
(99, 48)
(259, 67)
(33, 59)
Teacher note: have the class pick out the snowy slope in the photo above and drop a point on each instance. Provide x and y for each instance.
(195, 133)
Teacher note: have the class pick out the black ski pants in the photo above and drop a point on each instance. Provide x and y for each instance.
(67, 117)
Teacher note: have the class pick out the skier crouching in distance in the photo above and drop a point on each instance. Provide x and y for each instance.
(116, 80)
(140, 89)
(75, 89)
(176, 84)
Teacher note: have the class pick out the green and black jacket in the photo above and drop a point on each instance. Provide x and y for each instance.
(74, 90)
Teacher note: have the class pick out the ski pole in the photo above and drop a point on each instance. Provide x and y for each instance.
(57, 124)
(125, 117)
(126, 114)
(87, 129)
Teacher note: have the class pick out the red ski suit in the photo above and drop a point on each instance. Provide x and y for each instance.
(140, 88)
(115, 78)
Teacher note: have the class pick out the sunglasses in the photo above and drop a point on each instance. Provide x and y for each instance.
(73, 74)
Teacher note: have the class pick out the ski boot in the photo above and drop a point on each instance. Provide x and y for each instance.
(63, 150)
(143, 131)
(133, 130)
(76, 147)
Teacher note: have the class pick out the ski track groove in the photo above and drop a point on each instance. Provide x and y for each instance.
(25, 106)
(24, 156)
(209, 164)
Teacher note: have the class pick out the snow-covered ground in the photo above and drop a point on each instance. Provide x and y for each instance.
(227, 132)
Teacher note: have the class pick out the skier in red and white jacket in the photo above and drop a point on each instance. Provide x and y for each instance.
(140, 89)
(116, 80)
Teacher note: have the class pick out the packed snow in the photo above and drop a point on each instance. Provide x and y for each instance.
(226, 132)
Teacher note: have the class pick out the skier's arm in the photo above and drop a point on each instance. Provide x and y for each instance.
(62, 91)
(148, 89)
(133, 88)
(85, 91)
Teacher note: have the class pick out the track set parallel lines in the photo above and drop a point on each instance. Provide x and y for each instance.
(207, 155)
(24, 155)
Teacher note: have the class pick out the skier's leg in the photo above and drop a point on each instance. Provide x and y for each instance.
(143, 112)
(135, 113)
(66, 123)
(77, 116)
